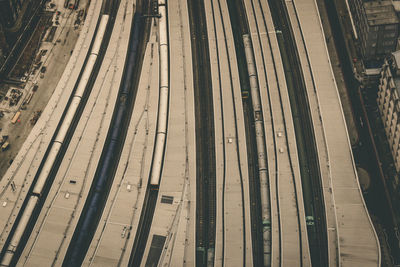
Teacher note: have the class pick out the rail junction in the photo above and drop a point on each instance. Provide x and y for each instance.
(190, 133)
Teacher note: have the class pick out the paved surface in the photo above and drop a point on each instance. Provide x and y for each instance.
(357, 241)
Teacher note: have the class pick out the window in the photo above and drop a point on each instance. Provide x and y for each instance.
(374, 29)
(390, 27)
(389, 35)
(388, 43)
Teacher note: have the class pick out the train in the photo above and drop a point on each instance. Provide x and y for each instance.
(163, 104)
(261, 153)
(150, 201)
(95, 201)
(55, 147)
(98, 194)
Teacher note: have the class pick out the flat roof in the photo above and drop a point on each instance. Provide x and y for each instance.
(380, 13)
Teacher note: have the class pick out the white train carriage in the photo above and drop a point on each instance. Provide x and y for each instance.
(163, 104)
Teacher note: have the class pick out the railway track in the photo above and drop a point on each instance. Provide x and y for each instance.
(171, 240)
(284, 169)
(26, 166)
(50, 163)
(94, 106)
(232, 198)
(150, 200)
(256, 152)
(111, 153)
(205, 140)
(286, 200)
(141, 130)
(305, 138)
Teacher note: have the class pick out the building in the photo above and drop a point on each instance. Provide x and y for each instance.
(377, 26)
(389, 103)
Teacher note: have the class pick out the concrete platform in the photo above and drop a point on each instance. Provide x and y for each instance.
(180, 251)
(287, 207)
(174, 216)
(319, 136)
(357, 242)
(233, 227)
(113, 240)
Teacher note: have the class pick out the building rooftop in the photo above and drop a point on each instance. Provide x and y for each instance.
(380, 13)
